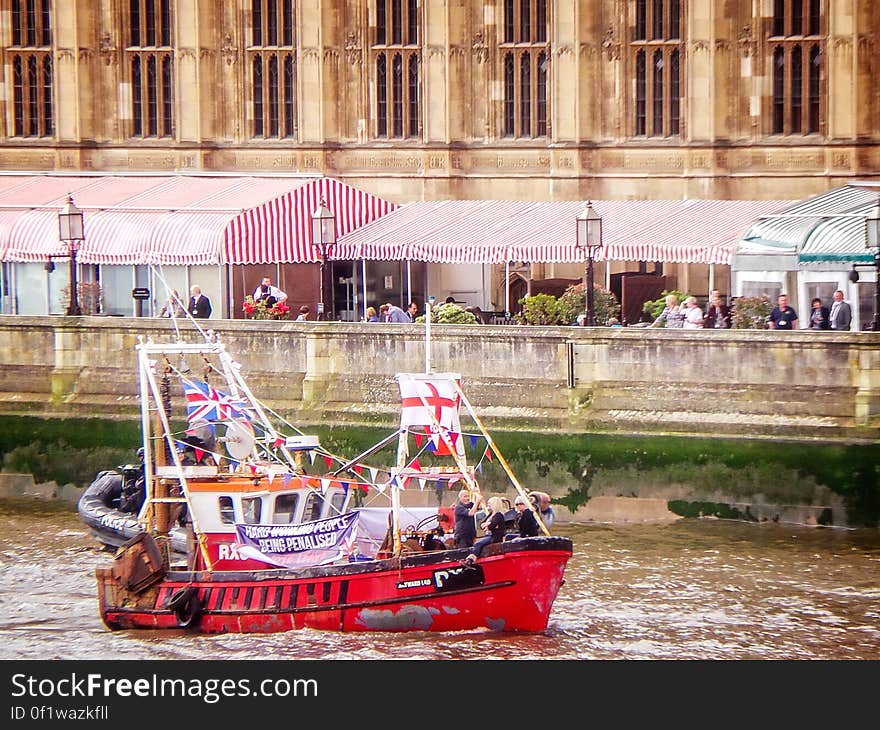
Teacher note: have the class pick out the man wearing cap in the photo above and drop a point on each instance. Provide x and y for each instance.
(525, 518)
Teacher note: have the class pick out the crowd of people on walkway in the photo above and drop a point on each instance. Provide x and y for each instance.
(675, 315)
(718, 315)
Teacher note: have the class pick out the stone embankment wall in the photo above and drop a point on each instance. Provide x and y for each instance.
(804, 385)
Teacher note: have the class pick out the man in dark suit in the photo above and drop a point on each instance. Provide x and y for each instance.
(199, 304)
(841, 313)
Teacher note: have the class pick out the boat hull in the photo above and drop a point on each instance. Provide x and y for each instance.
(511, 588)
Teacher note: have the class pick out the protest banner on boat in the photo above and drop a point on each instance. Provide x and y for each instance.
(298, 546)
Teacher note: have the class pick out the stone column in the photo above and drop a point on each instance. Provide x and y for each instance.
(70, 354)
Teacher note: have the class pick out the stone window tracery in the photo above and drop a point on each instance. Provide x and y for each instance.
(525, 63)
(149, 59)
(272, 69)
(655, 57)
(32, 70)
(396, 61)
(796, 53)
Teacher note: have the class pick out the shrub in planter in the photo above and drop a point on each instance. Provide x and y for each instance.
(750, 313)
(574, 302)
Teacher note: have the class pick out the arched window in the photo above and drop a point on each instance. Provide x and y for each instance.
(150, 60)
(273, 63)
(397, 58)
(524, 68)
(655, 58)
(32, 76)
(796, 65)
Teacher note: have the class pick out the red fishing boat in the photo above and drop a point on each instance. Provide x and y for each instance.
(274, 548)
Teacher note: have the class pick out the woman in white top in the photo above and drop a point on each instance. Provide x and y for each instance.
(693, 316)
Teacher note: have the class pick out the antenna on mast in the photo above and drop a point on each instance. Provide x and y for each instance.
(428, 304)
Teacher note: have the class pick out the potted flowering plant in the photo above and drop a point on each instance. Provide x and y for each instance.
(260, 310)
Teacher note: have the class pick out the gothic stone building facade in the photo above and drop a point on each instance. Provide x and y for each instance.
(435, 99)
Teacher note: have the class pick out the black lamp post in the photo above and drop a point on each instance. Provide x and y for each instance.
(872, 240)
(70, 229)
(323, 235)
(589, 238)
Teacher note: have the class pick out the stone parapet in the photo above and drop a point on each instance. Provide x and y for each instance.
(803, 385)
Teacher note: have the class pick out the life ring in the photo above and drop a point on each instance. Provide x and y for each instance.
(185, 605)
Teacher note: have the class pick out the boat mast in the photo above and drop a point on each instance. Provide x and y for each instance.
(500, 456)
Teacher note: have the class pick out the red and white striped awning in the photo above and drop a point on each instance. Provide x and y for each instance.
(141, 218)
(494, 232)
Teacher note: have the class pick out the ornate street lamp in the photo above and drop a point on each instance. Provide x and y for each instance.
(323, 235)
(872, 240)
(70, 229)
(589, 238)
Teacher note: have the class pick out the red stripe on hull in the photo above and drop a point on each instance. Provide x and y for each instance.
(513, 591)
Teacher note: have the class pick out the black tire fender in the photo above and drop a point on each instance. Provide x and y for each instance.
(185, 605)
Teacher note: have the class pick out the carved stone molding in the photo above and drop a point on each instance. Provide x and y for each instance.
(107, 50)
(205, 53)
(435, 51)
(85, 54)
(65, 54)
(457, 51)
(722, 44)
(310, 54)
(610, 45)
(479, 49)
(563, 51)
(186, 53)
(353, 51)
(228, 49)
(700, 45)
(589, 50)
(842, 44)
(746, 42)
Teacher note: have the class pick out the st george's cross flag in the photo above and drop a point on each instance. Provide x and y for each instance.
(432, 401)
(204, 403)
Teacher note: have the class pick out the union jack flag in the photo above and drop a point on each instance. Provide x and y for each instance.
(204, 403)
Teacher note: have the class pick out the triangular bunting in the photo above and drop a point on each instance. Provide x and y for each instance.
(473, 441)
(417, 437)
(311, 457)
(358, 468)
(431, 446)
(199, 454)
(381, 488)
(488, 453)
(414, 464)
(329, 461)
(287, 478)
(453, 437)
(479, 467)
(325, 483)
(422, 484)
(373, 472)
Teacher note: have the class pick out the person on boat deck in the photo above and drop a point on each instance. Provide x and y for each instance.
(525, 519)
(134, 489)
(541, 505)
(494, 525)
(465, 530)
